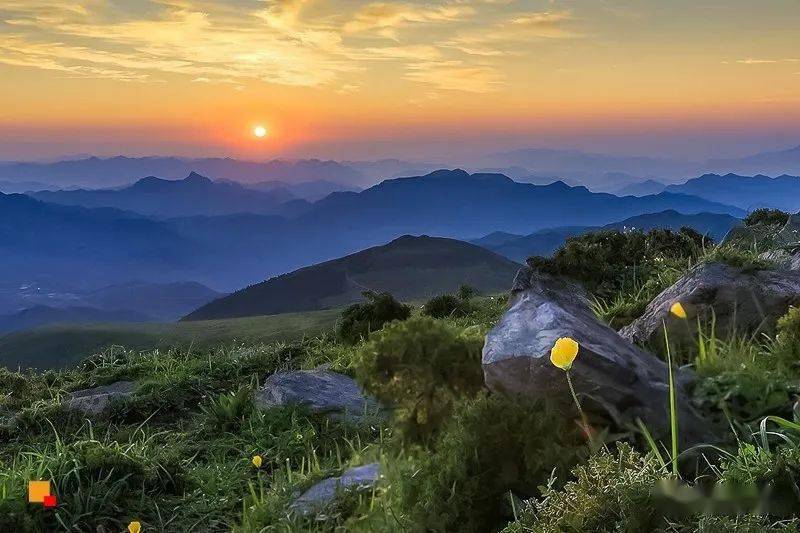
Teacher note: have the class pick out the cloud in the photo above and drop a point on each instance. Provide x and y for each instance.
(455, 76)
(289, 42)
(751, 61)
(507, 37)
(386, 18)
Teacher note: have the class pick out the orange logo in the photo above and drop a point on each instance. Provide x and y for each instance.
(39, 492)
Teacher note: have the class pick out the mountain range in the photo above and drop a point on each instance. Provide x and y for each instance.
(99, 172)
(193, 195)
(545, 242)
(746, 192)
(408, 267)
(45, 241)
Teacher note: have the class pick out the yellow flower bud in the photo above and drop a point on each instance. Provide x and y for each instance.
(135, 527)
(678, 310)
(257, 461)
(564, 352)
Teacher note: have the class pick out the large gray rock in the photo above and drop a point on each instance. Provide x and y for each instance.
(610, 374)
(323, 494)
(741, 300)
(321, 391)
(94, 401)
(784, 259)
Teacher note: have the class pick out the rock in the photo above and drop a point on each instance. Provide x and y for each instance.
(784, 259)
(742, 300)
(322, 391)
(323, 494)
(611, 375)
(95, 401)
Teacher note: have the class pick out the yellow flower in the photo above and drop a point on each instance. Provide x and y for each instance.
(134, 527)
(257, 461)
(564, 352)
(678, 310)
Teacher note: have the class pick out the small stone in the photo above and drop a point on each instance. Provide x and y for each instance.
(323, 494)
(94, 401)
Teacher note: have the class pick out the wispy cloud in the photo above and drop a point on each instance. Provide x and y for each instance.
(386, 18)
(447, 45)
(753, 61)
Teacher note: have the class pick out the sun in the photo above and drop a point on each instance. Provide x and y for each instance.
(260, 131)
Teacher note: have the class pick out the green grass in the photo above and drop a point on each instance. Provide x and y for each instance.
(57, 346)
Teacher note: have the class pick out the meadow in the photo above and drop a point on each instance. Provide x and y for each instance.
(180, 453)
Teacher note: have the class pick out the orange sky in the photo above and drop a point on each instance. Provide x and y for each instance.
(352, 79)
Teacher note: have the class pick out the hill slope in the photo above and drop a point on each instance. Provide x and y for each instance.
(38, 239)
(191, 196)
(408, 267)
(42, 315)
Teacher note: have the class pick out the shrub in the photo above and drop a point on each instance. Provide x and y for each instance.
(605, 261)
(465, 292)
(446, 306)
(611, 492)
(744, 258)
(421, 366)
(788, 336)
(768, 217)
(494, 448)
(361, 319)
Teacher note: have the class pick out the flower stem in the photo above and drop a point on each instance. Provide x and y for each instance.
(673, 407)
(578, 405)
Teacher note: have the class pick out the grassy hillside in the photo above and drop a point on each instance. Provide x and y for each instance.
(409, 267)
(57, 346)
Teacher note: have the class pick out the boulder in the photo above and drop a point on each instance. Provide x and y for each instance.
(94, 401)
(784, 259)
(320, 390)
(741, 300)
(323, 494)
(611, 375)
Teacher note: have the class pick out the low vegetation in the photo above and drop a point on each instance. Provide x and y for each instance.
(179, 454)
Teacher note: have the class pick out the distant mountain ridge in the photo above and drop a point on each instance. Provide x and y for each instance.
(746, 192)
(193, 195)
(545, 242)
(120, 170)
(43, 315)
(408, 267)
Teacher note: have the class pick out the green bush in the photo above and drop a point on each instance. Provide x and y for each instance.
(610, 493)
(361, 319)
(492, 450)
(606, 261)
(420, 366)
(788, 336)
(446, 306)
(768, 217)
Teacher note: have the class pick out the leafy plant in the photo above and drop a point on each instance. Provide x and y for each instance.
(769, 217)
(361, 319)
(420, 367)
(227, 411)
(446, 305)
(605, 262)
(492, 450)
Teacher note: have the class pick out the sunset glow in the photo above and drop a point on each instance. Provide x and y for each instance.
(260, 131)
(414, 79)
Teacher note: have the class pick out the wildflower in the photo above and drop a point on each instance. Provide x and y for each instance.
(257, 461)
(678, 310)
(562, 355)
(135, 527)
(564, 352)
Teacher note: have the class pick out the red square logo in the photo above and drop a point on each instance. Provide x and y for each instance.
(49, 501)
